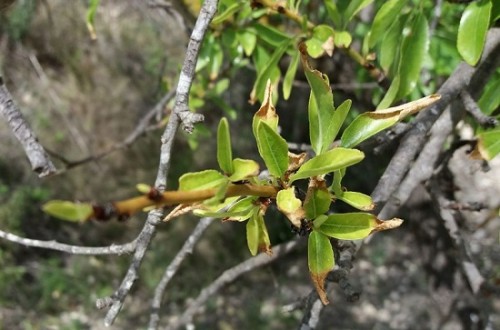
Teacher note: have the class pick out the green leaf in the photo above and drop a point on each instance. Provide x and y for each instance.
(386, 16)
(230, 11)
(317, 202)
(320, 261)
(322, 123)
(495, 12)
(290, 75)
(90, 17)
(488, 144)
(247, 40)
(257, 236)
(319, 220)
(273, 149)
(343, 39)
(216, 60)
(391, 94)
(321, 41)
(239, 211)
(207, 179)
(389, 50)
(413, 51)
(244, 169)
(243, 209)
(253, 235)
(314, 48)
(322, 32)
(357, 200)
(339, 117)
(272, 36)
(286, 200)
(352, 226)
(266, 73)
(69, 211)
(490, 100)
(336, 186)
(204, 56)
(333, 13)
(143, 188)
(353, 8)
(348, 226)
(224, 151)
(264, 241)
(370, 123)
(327, 162)
(472, 30)
(290, 205)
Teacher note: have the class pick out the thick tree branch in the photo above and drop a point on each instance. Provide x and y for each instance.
(72, 249)
(40, 161)
(180, 112)
(229, 276)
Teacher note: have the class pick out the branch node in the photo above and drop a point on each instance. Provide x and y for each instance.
(188, 120)
(105, 302)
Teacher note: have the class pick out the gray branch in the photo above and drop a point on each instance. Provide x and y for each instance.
(172, 268)
(229, 276)
(465, 258)
(72, 249)
(40, 161)
(180, 113)
(473, 109)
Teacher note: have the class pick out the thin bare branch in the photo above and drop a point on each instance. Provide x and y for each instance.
(67, 248)
(172, 268)
(180, 113)
(186, 77)
(473, 109)
(143, 241)
(38, 157)
(469, 268)
(140, 129)
(229, 276)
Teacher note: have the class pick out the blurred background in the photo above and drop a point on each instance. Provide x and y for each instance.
(83, 96)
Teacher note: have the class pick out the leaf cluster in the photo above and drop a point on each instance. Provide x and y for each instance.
(240, 190)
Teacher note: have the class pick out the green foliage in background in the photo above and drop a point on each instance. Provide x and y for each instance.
(18, 21)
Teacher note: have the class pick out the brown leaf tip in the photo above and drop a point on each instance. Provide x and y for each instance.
(319, 284)
(388, 224)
